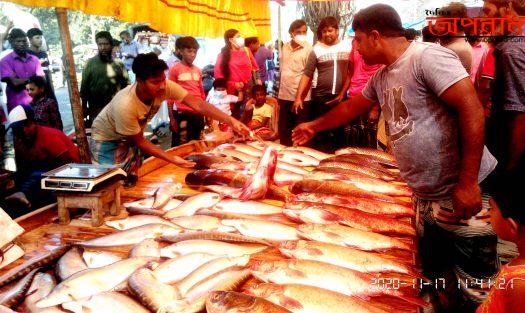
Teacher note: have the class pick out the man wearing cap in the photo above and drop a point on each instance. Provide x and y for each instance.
(17, 67)
(38, 149)
(436, 127)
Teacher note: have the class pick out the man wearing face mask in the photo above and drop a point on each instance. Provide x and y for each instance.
(294, 56)
(330, 58)
(102, 77)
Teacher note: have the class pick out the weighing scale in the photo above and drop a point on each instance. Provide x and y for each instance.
(79, 177)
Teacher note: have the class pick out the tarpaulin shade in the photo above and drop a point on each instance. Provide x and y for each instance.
(199, 18)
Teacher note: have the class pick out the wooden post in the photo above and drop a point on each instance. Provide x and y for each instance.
(74, 95)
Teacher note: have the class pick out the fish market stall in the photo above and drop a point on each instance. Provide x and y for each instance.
(253, 226)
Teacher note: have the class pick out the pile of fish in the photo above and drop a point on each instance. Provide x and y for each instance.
(321, 250)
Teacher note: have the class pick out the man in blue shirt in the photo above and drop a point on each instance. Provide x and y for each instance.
(129, 49)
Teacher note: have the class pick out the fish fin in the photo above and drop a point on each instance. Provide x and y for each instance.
(295, 273)
(332, 235)
(330, 217)
(290, 303)
(314, 251)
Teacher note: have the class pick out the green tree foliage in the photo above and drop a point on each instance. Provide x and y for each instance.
(314, 12)
(82, 28)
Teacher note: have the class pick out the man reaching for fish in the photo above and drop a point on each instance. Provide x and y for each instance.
(118, 131)
(436, 129)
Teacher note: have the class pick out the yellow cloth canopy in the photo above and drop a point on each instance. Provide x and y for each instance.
(198, 18)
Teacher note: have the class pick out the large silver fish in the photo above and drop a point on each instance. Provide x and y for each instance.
(209, 246)
(93, 281)
(146, 248)
(105, 302)
(41, 286)
(137, 220)
(257, 184)
(131, 236)
(14, 295)
(201, 223)
(151, 292)
(208, 269)
(70, 263)
(310, 299)
(235, 302)
(262, 229)
(191, 205)
(29, 265)
(353, 259)
(173, 270)
(163, 195)
(350, 237)
(326, 276)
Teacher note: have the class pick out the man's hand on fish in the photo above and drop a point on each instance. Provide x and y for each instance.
(181, 162)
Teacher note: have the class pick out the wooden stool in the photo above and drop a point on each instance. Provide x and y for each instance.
(106, 196)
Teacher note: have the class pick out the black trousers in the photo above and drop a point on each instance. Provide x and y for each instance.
(194, 127)
(329, 140)
(288, 120)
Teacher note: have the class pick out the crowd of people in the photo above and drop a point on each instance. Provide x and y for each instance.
(451, 109)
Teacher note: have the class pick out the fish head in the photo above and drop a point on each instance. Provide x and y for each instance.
(294, 215)
(224, 301)
(288, 247)
(265, 290)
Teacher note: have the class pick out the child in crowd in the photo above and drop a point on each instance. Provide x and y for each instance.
(508, 220)
(45, 108)
(219, 97)
(261, 112)
(189, 77)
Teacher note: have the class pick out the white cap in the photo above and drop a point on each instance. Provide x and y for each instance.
(17, 115)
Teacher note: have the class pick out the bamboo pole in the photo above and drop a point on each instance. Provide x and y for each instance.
(74, 95)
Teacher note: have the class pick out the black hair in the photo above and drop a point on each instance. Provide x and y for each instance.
(220, 83)
(411, 34)
(326, 22)
(226, 52)
(16, 33)
(508, 192)
(296, 24)
(115, 42)
(125, 32)
(187, 42)
(104, 34)
(427, 34)
(381, 18)
(455, 10)
(250, 40)
(258, 88)
(147, 65)
(39, 81)
(34, 32)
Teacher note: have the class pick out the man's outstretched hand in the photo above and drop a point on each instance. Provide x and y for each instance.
(303, 133)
